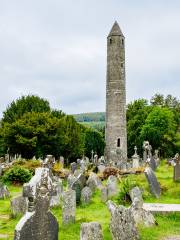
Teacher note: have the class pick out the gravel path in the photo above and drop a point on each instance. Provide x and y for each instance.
(172, 238)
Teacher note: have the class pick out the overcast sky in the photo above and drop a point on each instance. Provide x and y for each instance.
(57, 50)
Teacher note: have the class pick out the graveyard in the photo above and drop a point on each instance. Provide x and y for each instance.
(95, 209)
(112, 175)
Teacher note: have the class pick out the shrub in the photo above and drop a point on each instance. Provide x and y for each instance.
(126, 185)
(17, 175)
(110, 171)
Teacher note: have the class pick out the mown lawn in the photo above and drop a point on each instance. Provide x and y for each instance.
(97, 211)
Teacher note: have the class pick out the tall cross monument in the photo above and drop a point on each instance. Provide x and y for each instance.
(115, 133)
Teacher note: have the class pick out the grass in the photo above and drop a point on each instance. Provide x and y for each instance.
(97, 211)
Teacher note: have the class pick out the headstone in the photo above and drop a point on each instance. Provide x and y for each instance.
(101, 168)
(68, 207)
(0, 169)
(136, 193)
(38, 223)
(122, 225)
(156, 157)
(91, 231)
(49, 163)
(176, 167)
(58, 186)
(104, 194)
(73, 167)
(135, 159)
(153, 183)
(93, 182)
(4, 192)
(147, 150)
(76, 186)
(140, 215)
(70, 180)
(112, 186)
(86, 195)
(19, 205)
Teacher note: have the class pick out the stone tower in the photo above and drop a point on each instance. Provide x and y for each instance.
(116, 134)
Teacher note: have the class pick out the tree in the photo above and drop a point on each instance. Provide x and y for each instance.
(160, 130)
(137, 113)
(25, 104)
(157, 100)
(93, 140)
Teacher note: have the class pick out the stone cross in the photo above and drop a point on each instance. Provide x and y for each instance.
(135, 159)
(38, 223)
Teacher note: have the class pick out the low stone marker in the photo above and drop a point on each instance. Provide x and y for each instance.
(112, 186)
(122, 225)
(68, 207)
(162, 208)
(104, 194)
(86, 195)
(94, 182)
(135, 159)
(19, 205)
(4, 192)
(153, 183)
(38, 223)
(91, 231)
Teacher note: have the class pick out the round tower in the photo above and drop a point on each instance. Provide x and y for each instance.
(115, 132)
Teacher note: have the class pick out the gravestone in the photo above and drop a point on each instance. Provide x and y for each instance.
(122, 224)
(176, 167)
(1, 169)
(38, 223)
(68, 207)
(58, 186)
(86, 195)
(136, 193)
(112, 186)
(70, 180)
(94, 182)
(135, 159)
(104, 194)
(73, 167)
(4, 192)
(156, 157)
(19, 205)
(153, 183)
(76, 186)
(61, 159)
(91, 231)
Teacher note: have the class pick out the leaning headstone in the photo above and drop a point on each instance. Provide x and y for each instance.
(91, 231)
(86, 195)
(122, 225)
(4, 192)
(112, 186)
(153, 183)
(38, 223)
(19, 205)
(176, 167)
(68, 207)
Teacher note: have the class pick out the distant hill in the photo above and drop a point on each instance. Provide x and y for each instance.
(90, 117)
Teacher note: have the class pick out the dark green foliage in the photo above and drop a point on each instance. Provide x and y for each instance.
(137, 113)
(126, 185)
(17, 175)
(159, 129)
(93, 140)
(25, 104)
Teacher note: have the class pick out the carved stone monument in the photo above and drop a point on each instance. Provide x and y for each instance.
(38, 223)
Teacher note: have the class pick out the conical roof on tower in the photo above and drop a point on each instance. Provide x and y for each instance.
(115, 30)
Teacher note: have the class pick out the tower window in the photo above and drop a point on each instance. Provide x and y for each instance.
(122, 65)
(122, 41)
(110, 40)
(118, 142)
